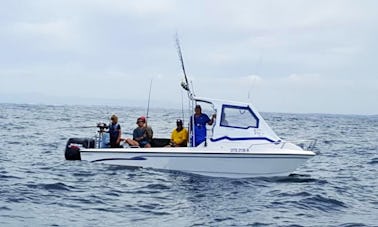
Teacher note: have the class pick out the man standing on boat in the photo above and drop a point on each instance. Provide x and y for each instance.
(198, 128)
(114, 132)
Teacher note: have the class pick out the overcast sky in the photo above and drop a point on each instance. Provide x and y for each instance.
(284, 56)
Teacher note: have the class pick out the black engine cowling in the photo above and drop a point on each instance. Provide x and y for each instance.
(72, 151)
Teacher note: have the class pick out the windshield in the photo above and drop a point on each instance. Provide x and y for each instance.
(238, 117)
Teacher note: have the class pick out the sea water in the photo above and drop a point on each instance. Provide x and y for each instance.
(38, 187)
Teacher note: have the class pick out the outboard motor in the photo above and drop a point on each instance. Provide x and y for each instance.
(72, 151)
(103, 138)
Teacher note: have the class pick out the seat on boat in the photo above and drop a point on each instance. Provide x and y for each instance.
(160, 142)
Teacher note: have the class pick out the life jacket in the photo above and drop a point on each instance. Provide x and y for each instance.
(114, 130)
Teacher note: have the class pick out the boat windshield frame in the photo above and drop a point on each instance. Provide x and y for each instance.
(235, 107)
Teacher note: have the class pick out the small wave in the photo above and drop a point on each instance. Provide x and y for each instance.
(14, 142)
(159, 213)
(4, 208)
(152, 188)
(50, 146)
(149, 206)
(373, 161)
(3, 176)
(258, 224)
(224, 219)
(158, 186)
(89, 200)
(65, 119)
(322, 203)
(329, 141)
(294, 178)
(83, 174)
(155, 212)
(155, 209)
(200, 195)
(352, 225)
(53, 186)
(16, 199)
(239, 182)
(122, 167)
(110, 210)
(115, 194)
(18, 127)
(300, 194)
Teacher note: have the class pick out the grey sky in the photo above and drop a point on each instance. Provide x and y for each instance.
(285, 56)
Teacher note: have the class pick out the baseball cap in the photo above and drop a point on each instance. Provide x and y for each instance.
(142, 118)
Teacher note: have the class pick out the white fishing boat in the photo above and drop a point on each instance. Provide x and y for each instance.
(239, 144)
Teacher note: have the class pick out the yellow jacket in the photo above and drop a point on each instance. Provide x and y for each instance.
(180, 138)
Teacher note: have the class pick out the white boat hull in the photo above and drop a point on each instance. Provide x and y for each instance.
(211, 163)
(239, 145)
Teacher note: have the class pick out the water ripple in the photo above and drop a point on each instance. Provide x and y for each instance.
(373, 161)
(51, 186)
(321, 203)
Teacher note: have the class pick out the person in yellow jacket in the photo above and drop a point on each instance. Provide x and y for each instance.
(179, 136)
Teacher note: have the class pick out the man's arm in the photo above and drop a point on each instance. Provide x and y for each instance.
(212, 119)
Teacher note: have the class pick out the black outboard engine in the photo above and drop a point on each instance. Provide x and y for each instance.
(72, 151)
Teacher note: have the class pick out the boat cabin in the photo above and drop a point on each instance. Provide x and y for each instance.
(236, 122)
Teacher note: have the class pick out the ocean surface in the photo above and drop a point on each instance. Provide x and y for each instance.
(38, 187)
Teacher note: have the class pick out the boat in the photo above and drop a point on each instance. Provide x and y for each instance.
(239, 144)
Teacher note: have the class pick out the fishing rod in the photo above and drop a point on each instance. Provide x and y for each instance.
(149, 98)
(148, 131)
(185, 84)
(182, 106)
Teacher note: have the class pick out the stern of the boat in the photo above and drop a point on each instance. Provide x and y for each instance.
(73, 146)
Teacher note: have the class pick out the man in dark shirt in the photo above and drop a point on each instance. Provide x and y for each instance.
(114, 132)
(142, 135)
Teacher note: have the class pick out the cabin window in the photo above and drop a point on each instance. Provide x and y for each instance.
(238, 117)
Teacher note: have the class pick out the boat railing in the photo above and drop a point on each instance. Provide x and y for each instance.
(307, 145)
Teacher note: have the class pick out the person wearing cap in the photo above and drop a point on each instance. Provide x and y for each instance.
(142, 134)
(199, 126)
(179, 135)
(114, 132)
